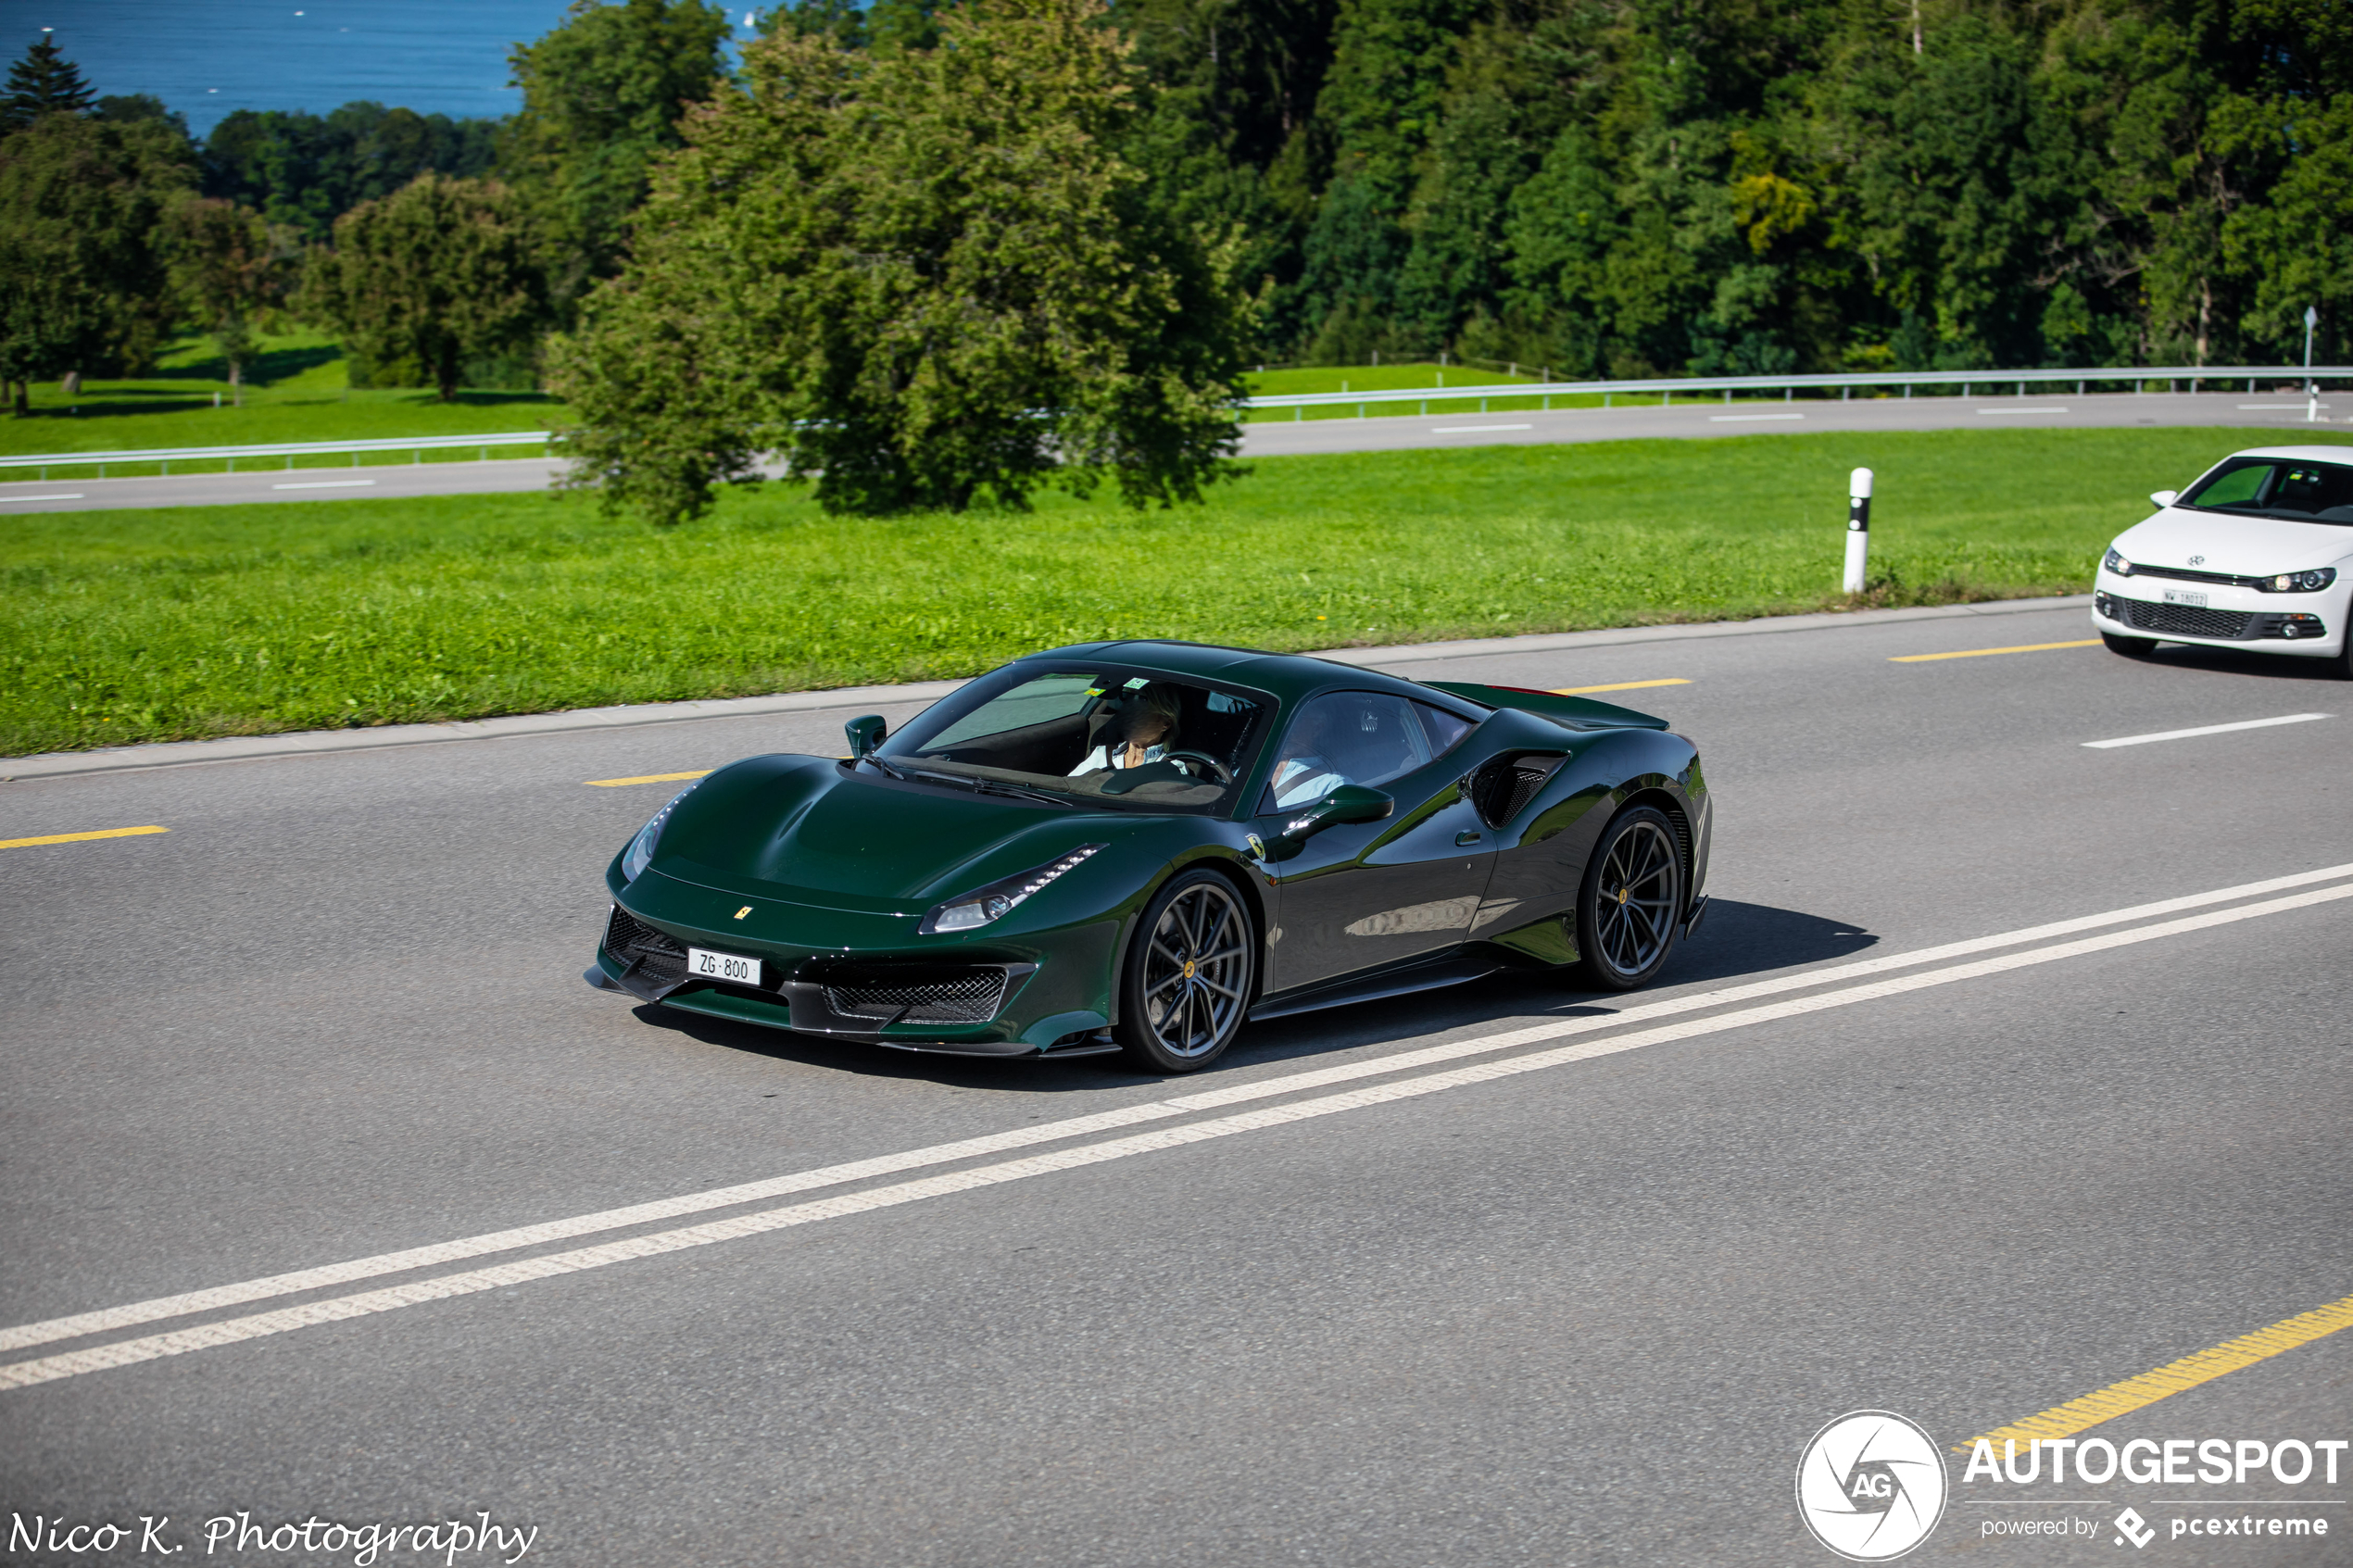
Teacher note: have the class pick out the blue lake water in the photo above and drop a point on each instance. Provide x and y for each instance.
(206, 57)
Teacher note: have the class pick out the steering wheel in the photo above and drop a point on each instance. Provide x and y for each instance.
(1217, 770)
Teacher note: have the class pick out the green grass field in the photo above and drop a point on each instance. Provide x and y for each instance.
(299, 393)
(167, 624)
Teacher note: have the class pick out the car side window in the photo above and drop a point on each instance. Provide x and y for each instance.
(1442, 728)
(1346, 737)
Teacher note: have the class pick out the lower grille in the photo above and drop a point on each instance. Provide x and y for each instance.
(969, 996)
(2185, 621)
(660, 959)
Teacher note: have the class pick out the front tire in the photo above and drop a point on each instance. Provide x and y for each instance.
(1187, 980)
(2131, 648)
(1631, 899)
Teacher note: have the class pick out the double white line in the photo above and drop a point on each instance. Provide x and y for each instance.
(232, 1330)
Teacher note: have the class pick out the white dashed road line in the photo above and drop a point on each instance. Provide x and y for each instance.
(2021, 411)
(326, 485)
(2205, 730)
(1473, 430)
(1742, 419)
(234, 1330)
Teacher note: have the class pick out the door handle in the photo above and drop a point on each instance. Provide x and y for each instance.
(1466, 836)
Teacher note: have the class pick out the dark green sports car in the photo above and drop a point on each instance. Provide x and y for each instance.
(1136, 846)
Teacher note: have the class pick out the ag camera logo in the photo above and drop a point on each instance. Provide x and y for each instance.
(1871, 1486)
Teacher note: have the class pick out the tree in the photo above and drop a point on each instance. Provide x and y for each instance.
(228, 269)
(305, 171)
(925, 277)
(44, 81)
(602, 96)
(82, 276)
(442, 270)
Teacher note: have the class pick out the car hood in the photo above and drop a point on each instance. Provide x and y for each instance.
(2249, 546)
(806, 830)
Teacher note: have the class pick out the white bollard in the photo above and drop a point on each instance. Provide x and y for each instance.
(1858, 528)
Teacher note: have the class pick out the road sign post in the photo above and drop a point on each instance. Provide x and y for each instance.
(1858, 528)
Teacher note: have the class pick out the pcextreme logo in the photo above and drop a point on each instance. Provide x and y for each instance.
(1871, 1486)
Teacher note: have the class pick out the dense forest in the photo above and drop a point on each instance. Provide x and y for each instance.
(1644, 186)
(1603, 187)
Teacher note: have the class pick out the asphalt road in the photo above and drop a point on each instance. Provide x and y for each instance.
(1586, 1312)
(2264, 411)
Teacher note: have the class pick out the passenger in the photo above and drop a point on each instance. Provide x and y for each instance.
(1142, 732)
(1306, 773)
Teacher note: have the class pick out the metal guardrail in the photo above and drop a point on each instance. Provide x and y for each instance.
(289, 451)
(1665, 386)
(1669, 387)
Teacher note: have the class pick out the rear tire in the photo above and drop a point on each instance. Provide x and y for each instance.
(1632, 897)
(1187, 980)
(2131, 648)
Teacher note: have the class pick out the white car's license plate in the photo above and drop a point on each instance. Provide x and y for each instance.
(2185, 596)
(732, 968)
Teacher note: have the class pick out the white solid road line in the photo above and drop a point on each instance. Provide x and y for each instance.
(76, 495)
(72, 1363)
(2205, 730)
(2298, 408)
(326, 485)
(1740, 418)
(1473, 430)
(2021, 411)
(997, 1143)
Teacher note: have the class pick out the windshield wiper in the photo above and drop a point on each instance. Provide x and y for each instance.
(1016, 792)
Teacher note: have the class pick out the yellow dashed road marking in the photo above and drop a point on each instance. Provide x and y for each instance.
(2134, 1393)
(649, 778)
(1982, 653)
(77, 838)
(1617, 686)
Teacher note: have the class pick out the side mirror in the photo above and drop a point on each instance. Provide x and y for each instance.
(1349, 803)
(2164, 498)
(866, 732)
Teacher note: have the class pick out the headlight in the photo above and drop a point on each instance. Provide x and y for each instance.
(640, 852)
(998, 898)
(2118, 564)
(2298, 582)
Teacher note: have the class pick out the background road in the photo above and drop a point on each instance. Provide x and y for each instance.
(2265, 411)
(1584, 1315)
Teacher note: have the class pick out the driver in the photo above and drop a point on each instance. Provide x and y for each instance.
(1305, 773)
(1143, 730)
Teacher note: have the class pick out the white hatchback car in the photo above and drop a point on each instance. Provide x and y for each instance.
(2257, 555)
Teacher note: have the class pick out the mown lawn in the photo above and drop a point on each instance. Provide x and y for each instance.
(154, 625)
(296, 392)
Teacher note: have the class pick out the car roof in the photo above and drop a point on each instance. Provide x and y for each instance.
(1287, 676)
(2300, 454)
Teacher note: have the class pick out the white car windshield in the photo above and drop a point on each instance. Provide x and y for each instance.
(2277, 487)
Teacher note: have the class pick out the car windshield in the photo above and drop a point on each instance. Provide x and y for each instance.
(1097, 736)
(2299, 491)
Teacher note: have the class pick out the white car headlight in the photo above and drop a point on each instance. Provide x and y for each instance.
(2117, 563)
(2298, 582)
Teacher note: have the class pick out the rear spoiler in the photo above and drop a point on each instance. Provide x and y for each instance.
(1571, 712)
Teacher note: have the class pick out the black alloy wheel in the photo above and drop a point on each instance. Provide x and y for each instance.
(1632, 896)
(1188, 977)
(2131, 648)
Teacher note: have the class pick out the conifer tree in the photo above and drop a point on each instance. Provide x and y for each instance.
(44, 81)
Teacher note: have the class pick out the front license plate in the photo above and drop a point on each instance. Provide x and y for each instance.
(2184, 596)
(732, 968)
